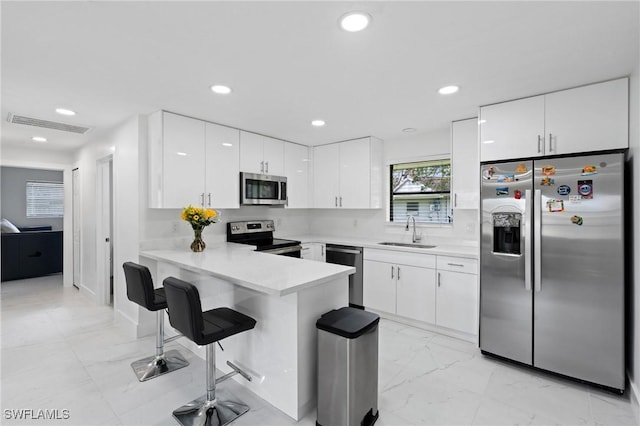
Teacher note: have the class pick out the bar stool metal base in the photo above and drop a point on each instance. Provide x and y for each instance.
(200, 412)
(154, 366)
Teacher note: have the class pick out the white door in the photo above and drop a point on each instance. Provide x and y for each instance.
(273, 151)
(416, 293)
(76, 226)
(183, 162)
(379, 290)
(589, 118)
(296, 169)
(251, 153)
(222, 167)
(465, 164)
(104, 225)
(512, 129)
(457, 306)
(325, 176)
(355, 179)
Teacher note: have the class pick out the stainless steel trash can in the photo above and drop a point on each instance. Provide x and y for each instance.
(347, 368)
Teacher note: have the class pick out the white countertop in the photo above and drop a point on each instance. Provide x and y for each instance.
(466, 251)
(241, 265)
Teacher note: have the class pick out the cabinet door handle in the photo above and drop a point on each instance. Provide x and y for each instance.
(266, 168)
(438, 279)
(456, 264)
(209, 198)
(336, 201)
(455, 200)
(262, 167)
(539, 146)
(340, 201)
(550, 140)
(202, 199)
(392, 272)
(322, 251)
(398, 272)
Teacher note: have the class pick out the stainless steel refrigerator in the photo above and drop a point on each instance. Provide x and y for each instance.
(552, 265)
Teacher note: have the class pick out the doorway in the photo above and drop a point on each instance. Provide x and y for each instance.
(75, 225)
(104, 226)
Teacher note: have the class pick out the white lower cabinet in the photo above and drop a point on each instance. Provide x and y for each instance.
(313, 251)
(441, 291)
(399, 283)
(457, 294)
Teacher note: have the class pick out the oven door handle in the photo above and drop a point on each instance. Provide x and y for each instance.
(341, 250)
(283, 250)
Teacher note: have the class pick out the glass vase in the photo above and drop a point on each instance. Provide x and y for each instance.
(198, 244)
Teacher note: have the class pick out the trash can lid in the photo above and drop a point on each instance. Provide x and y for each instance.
(348, 322)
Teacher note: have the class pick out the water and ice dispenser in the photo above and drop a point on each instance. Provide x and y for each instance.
(506, 233)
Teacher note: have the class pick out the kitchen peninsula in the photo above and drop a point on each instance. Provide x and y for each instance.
(285, 295)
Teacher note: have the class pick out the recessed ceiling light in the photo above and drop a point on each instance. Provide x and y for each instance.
(181, 154)
(490, 141)
(482, 121)
(220, 90)
(318, 123)
(227, 144)
(448, 90)
(409, 130)
(64, 111)
(355, 21)
(38, 139)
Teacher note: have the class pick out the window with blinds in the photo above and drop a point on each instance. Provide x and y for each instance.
(422, 190)
(45, 199)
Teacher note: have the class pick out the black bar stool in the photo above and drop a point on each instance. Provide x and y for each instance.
(140, 290)
(205, 328)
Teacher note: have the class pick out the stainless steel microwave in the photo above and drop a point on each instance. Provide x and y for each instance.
(262, 190)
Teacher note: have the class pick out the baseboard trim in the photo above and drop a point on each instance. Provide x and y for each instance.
(126, 323)
(634, 396)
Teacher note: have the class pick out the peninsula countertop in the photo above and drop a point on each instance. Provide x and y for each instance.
(239, 264)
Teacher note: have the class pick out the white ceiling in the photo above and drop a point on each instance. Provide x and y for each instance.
(289, 63)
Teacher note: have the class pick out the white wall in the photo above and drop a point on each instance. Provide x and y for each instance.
(122, 144)
(373, 224)
(633, 357)
(36, 158)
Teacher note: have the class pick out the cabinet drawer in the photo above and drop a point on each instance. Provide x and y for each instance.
(457, 264)
(401, 257)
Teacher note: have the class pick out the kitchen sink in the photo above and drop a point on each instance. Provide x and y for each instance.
(413, 245)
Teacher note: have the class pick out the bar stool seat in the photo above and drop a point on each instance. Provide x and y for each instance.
(205, 328)
(140, 290)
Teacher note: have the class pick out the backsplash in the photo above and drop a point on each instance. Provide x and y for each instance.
(163, 228)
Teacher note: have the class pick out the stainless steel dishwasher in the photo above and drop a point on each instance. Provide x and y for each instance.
(349, 256)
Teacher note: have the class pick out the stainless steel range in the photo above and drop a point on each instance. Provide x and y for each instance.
(259, 233)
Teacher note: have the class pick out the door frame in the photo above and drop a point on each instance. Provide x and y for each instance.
(76, 228)
(104, 229)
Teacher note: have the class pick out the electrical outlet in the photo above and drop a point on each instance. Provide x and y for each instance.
(174, 226)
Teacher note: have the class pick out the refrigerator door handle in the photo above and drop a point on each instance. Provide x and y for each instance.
(528, 206)
(537, 226)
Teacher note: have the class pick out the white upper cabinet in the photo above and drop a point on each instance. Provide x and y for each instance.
(465, 166)
(261, 154)
(325, 176)
(296, 169)
(348, 174)
(188, 163)
(584, 119)
(512, 129)
(222, 167)
(176, 167)
(590, 118)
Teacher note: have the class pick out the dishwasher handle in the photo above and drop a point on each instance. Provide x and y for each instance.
(330, 249)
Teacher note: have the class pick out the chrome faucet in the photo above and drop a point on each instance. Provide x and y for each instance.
(415, 238)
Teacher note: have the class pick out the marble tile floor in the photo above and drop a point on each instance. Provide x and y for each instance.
(61, 351)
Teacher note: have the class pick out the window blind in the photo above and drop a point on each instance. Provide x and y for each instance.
(45, 199)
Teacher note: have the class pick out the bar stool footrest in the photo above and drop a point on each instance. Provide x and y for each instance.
(154, 366)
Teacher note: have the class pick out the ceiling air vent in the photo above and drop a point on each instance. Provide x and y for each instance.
(30, 121)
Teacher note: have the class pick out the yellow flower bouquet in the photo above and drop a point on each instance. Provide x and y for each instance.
(198, 217)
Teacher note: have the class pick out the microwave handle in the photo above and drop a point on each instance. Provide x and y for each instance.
(282, 191)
